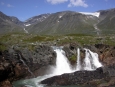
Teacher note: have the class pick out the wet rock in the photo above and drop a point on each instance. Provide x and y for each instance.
(40, 60)
(111, 83)
(91, 47)
(71, 52)
(18, 64)
(106, 54)
(6, 83)
(110, 70)
(76, 78)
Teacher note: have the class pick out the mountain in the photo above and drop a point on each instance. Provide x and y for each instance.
(36, 19)
(69, 22)
(7, 25)
(66, 22)
(17, 21)
(107, 23)
(59, 23)
(13, 24)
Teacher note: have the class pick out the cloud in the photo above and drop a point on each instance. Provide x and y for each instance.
(56, 1)
(9, 5)
(73, 3)
(76, 3)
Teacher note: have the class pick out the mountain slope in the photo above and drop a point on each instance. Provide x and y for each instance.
(66, 22)
(17, 21)
(6, 25)
(107, 23)
(36, 19)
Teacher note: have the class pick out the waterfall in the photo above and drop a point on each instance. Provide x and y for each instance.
(78, 60)
(62, 63)
(95, 60)
(26, 65)
(62, 66)
(91, 61)
(87, 61)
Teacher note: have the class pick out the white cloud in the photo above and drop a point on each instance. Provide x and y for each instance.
(73, 3)
(56, 1)
(77, 3)
(9, 5)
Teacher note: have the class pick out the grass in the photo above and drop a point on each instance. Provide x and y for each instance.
(2, 47)
(73, 59)
(30, 41)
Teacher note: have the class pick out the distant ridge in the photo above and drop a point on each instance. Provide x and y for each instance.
(60, 23)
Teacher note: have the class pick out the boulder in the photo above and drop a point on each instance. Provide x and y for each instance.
(76, 78)
(19, 63)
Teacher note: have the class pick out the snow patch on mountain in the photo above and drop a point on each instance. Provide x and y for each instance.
(60, 16)
(27, 24)
(89, 13)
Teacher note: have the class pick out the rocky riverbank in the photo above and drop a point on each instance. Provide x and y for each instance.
(16, 63)
(101, 77)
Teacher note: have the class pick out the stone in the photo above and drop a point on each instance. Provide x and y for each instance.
(76, 78)
(18, 64)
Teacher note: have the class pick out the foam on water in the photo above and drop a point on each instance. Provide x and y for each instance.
(91, 62)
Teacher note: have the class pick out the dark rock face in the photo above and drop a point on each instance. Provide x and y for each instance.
(71, 52)
(106, 53)
(23, 63)
(106, 56)
(20, 64)
(78, 77)
(91, 78)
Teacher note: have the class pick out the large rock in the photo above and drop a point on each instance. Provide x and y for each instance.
(71, 52)
(18, 64)
(106, 54)
(106, 74)
(76, 78)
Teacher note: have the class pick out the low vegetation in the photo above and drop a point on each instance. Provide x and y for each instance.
(29, 40)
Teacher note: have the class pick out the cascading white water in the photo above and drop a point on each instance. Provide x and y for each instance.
(62, 66)
(78, 67)
(62, 63)
(91, 61)
(87, 61)
(95, 60)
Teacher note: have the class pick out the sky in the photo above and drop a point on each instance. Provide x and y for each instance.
(24, 9)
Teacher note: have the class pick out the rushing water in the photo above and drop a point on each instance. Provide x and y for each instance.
(91, 62)
(78, 60)
(62, 63)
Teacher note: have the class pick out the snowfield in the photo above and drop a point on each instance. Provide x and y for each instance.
(89, 13)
